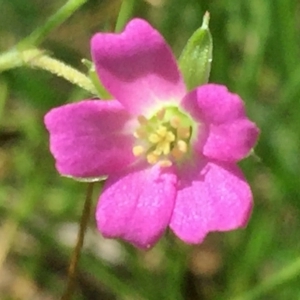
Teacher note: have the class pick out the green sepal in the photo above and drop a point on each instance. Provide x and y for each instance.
(102, 92)
(196, 57)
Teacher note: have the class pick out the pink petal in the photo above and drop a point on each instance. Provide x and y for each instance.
(137, 67)
(136, 205)
(88, 139)
(231, 142)
(211, 197)
(225, 133)
(213, 103)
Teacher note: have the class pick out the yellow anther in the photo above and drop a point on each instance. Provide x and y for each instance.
(176, 153)
(180, 149)
(152, 158)
(164, 137)
(138, 150)
(142, 120)
(183, 132)
(175, 122)
(161, 113)
(182, 146)
(140, 133)
(165, 163)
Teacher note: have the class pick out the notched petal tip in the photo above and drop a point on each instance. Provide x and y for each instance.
(213, 197)
(137, 67)
(226, 133)
(136, 205)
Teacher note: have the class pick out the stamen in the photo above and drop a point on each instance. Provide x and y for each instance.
(138, 150)
(165, 163)
(180, 149)
(142, 120)
(164, 137)
(152, 158)
(140, 133)
(175, 121)
(183, 132)
(176, 153)
(161, 113)
(182, 146)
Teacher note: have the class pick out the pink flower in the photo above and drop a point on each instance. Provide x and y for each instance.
(170, 155)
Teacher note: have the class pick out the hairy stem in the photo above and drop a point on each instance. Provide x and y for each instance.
(36, 58)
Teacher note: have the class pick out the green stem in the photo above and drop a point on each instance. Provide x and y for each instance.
(24, 54)
(283, 276)
(38, 35)
(36, 58)
(3, 96)
(124, 14)
(10, 60)
(80, 238)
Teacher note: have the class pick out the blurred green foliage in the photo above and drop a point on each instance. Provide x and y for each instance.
(256, 54)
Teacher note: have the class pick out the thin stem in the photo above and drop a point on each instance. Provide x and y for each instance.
(80, 238)
(38, 35)
(36, 58)
(124, 14)
(283, 276)
(10, 60)
(60, 69)
(3, 96)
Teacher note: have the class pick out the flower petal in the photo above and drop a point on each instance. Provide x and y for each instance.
(225, 133)
(137, 67)
(88, 138)
(211, 197)
(230, 142)
(136, 205)
(214, 104)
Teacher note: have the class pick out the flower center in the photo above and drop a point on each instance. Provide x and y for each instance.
(164, 138)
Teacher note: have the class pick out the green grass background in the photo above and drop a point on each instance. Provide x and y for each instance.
(256, 54)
